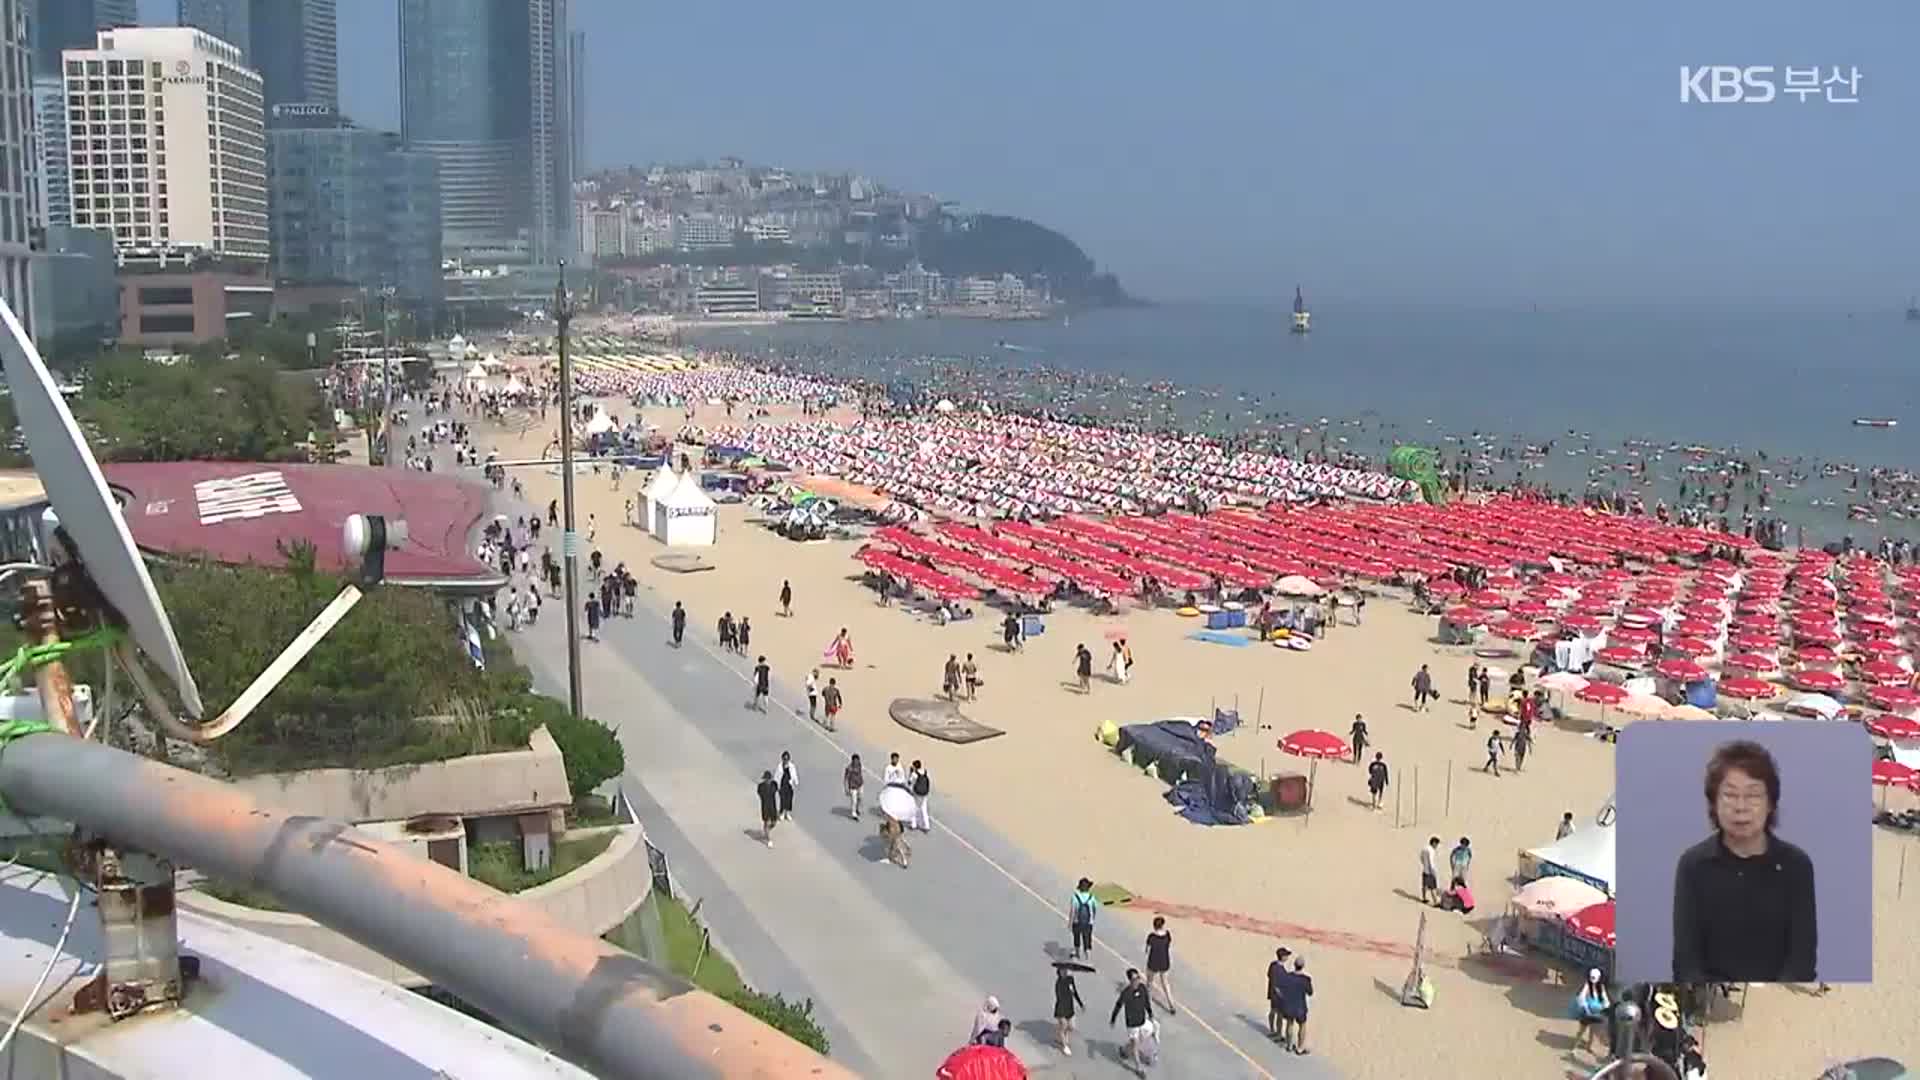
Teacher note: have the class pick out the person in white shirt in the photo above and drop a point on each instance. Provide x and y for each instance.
(1430, 871)
(813, 694)
(894, 773)
(921, 785)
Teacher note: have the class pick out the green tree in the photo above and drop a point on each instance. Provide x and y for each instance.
(203, 410)
(593, 752)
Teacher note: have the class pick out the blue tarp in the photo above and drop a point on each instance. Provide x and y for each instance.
(1207, 792)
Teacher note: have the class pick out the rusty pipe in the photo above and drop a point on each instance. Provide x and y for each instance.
(40, 617)
(595, 1005)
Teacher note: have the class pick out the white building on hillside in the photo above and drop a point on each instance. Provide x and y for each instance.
(20, 209)
(166, 142)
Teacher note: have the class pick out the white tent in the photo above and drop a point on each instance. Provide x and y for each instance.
(664, 480)
(686, 516)
(944, 406)
(1586, 854)
(600, 424)
(477, 372)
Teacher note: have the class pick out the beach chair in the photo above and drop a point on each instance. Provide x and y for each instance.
(1502, 938)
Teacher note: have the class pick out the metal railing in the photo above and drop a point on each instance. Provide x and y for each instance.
(595, 1005)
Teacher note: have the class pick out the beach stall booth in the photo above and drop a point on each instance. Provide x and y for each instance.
(685, 516)
(1576, 924)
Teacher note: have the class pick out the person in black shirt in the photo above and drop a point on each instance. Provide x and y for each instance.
(1276, 977)
(679, 624)
(1138, 1005)
(1358, 737)
(1066, 1001)
(1743, 899)
(1377, 778)
(769, 793)
(1160, 959)
(762, 678)
(786, 598)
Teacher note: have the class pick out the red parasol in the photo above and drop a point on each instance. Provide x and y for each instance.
(1751, 662)
(1594, 924)
(1748, 688)
(1530, 609)
(1893, 727)
(1466, 616)
(1632, 635)
(1632, 656)
(1600, 693)
(1697, 628)
(1687, 646)
(1517, 630)
(1681, 670)
(1817, 680)
(1885, 672)
(1582, 624)
(1886, 648)
(1487, 598)
(981, 1063)
(1752, 642)
(1894, 698)
(1892, 774)
(1815, 654)
(1315, 744)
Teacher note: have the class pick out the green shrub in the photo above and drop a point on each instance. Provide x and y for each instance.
(593, 752)
(795, 1020)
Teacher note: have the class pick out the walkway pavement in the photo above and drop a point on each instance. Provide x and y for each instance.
(896, 962)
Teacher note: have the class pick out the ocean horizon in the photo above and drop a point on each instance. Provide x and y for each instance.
(1786, 383)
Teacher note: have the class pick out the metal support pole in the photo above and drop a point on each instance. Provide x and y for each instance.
(570, 541)
(582, 998)
(386, 378)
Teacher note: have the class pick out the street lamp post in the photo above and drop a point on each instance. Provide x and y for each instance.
(570, 542)
(386, 376)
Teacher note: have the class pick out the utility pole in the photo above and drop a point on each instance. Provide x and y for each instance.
(570, 541)
(386, 377)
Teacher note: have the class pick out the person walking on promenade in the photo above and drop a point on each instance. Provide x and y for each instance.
(921, 785)
(745, 633)
(830, 702)
(1082, 907)
(1377, 778)
(679, 620)
(789, 781)
(725, 631)
(786, 599)
(1137, 1004)
(1422, 688)
(593, 618)
(1083, 668)
(762, 679)
(970, 674)
(769, 793)
(1522, 742)
(1357, 736)
(1066, 1004)
(1294, 992)
(1496, 745)
(813, 695)
(1430, 871)
(853, 780)
(553, 513)
(1160, 959)
(893, 775)
(1473, 682)
(1276, 979)
(1486, 686)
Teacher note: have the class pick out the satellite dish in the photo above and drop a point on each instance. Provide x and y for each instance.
(87, 510)
(90, 521)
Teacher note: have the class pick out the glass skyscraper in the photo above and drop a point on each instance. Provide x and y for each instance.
(350, 207)
(293, 44)
(70, 24)
(484, 90)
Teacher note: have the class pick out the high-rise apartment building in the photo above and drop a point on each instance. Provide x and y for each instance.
(293, 44)
(59, 25)
(50, 111)
(577, 98)
(550, 129)
(21, 224)
(350, 207)
(484, 89)
(166, 143)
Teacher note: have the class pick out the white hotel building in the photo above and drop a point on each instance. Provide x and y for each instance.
(20, 212)
(167, 145)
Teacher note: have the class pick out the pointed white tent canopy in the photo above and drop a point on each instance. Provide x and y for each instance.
(664, 480)
(457, 344)
(1587, 853)
(686, 516)
(477, 371)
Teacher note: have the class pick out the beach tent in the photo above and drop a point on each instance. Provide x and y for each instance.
(599, 425)
(1587, 854)
(686, 516)
(664, 480)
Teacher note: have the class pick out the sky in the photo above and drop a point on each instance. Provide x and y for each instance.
(1496, 152)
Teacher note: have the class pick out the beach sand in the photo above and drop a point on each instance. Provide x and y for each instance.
(1341, 886)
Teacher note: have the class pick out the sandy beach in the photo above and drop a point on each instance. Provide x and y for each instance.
(1341, 885)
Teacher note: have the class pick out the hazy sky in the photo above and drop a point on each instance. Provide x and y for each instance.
(1499, 151)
